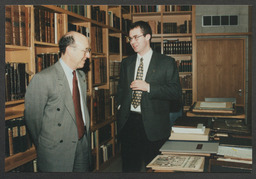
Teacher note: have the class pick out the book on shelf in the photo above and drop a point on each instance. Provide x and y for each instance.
(96, 37)
(174, 8)
(45, 25)
(99, 71)
(102, 108)
(16, 80)
(18, 139)
(177, 47)
(114, 44)
(45, 60)
(177, 163)
(17, 25)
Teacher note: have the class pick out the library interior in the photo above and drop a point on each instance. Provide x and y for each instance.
(212, 48)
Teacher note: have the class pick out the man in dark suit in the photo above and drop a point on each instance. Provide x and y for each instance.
(143, 100)
(55, 110)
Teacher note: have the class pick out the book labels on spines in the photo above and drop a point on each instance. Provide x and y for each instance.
(17, 25)
(17, 139)
(45, 60)
(16, 80)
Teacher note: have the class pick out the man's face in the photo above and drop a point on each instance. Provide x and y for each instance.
(81, 52)
(138, 41)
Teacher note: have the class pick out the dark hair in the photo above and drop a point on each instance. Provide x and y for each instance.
(145, 27)
(65, 41)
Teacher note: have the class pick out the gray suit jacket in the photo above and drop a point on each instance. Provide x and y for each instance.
(164, 83)
(50, 118)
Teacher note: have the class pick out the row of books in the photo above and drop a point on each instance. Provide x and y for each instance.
(97, 39)
(114, 20)
(16, 137)
(98, 15)
(186, 81)
(113, 83)
(16, 81)
(99, 71)
(114, 44)
(114, 68)
(103, 105)
(177, 47)
(173, 27)
(157, 8)
(126, 23)
(78, 28)
(146, 8)
(78, 9)
(187, 97)
(173, 8)
(45, 25)
(17, 25)
(45, 60)
(184, 65)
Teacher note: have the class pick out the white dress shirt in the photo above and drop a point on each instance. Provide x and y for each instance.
(146, 62)
(69, 74)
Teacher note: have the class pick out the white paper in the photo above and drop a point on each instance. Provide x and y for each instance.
(237, 152)
(213, 105)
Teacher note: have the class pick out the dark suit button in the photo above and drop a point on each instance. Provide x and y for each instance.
(58, 109)
(61, 141)
(59, 124)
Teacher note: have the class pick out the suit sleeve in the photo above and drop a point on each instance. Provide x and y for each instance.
(35, 101)
(170, 89)
(121, 85)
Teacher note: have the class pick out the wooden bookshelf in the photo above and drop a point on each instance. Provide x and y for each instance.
(28, 55)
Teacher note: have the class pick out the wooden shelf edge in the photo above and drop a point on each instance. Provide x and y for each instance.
(16, 102)
(19, 159)
(225, 34)
(94, 127)
(16, 47)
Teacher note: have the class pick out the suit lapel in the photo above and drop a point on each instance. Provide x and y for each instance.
(131, 68)
(152, 67)
(64, 90)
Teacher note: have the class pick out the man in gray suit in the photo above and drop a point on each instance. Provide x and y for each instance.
(143, 116)
(60, 129)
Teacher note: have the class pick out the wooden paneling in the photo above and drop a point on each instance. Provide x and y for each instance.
(220, 69)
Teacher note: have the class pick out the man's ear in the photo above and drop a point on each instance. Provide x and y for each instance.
(148, 36)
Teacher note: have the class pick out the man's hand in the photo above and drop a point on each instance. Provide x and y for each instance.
(139, 85)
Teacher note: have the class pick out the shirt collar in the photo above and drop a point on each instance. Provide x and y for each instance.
(146, 56)
(66, 68)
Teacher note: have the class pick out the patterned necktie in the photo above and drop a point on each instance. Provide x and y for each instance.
(136, 97)
(77, 105)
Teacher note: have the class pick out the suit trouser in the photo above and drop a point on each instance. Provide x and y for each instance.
(135, 146)
(81, 163)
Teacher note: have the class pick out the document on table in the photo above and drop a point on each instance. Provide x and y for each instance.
(237, 152)
(213, 105)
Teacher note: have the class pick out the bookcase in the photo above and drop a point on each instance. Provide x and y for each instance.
(32, 40)
(173, 34)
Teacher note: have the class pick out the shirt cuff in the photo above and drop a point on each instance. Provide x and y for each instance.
(148, 88)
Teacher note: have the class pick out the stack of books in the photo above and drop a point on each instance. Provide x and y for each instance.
(199, 133)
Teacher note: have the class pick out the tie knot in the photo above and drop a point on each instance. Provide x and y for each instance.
(74, 72)
(141, 60)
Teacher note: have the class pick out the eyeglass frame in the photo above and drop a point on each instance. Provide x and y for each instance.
(135, 37)
(87, 50)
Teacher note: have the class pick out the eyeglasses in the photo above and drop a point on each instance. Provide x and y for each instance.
(87, 50)
(136, 38)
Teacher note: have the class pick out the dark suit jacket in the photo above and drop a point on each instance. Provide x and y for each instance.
(164, 83)
(50, 118)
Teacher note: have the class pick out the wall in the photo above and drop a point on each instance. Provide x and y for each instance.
(218, 10)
